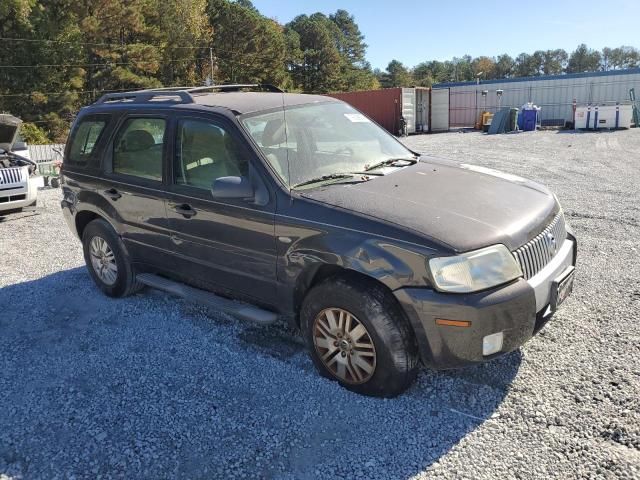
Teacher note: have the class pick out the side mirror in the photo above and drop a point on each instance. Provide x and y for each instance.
(19, 146)
(232, 187)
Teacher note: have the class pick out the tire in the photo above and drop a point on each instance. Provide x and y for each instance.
(382, 361)
(120, 283)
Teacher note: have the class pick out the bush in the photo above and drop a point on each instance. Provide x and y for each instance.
(33, 134)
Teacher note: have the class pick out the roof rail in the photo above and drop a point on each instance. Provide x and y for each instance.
(235, 87)
(140, 96)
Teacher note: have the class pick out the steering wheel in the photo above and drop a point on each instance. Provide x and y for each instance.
(345, 151)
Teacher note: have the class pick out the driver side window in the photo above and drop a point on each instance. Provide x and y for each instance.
(205, 152)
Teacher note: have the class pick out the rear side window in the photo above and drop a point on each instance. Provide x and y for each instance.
(84, 140)
(138, 148)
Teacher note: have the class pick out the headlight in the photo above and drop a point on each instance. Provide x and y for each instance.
(473, 271)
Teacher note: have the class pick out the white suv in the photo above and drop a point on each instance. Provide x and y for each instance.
(19, 179)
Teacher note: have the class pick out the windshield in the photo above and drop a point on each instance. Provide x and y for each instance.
(315, 140)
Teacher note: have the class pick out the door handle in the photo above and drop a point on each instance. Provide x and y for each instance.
(113, 194)
(185, 210)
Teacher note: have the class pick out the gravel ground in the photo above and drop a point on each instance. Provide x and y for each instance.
(154, 387)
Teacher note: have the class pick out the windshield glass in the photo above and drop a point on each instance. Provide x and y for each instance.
(311, 141)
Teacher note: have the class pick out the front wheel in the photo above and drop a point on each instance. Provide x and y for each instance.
(357, 335)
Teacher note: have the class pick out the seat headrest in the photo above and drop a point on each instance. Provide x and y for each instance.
(203, 136)
(274, 133)
(137, 140)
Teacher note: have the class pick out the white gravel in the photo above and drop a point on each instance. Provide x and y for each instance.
(154, 387)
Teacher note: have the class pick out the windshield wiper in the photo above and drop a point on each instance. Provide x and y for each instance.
(333, 176)
(390, 162)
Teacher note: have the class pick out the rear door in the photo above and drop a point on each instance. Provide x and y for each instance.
(226, 244)
(134, 184)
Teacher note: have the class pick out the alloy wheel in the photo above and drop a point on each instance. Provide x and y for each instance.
(103, 260)
(344, 345)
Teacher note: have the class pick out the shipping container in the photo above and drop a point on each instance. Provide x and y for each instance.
(383, 106)
(387, 105)
(555, 94)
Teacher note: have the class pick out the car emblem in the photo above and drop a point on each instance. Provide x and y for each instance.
(551, 242)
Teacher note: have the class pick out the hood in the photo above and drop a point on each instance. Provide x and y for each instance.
(462, 206)
(9, 127)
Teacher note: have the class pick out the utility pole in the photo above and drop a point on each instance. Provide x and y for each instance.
(211, 63)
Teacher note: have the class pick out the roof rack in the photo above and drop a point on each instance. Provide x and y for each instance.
(236, 87)
(179, 96)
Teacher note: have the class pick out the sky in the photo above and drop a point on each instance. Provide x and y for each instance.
(413, 32)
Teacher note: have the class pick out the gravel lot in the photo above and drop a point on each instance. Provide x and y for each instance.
(154, 387)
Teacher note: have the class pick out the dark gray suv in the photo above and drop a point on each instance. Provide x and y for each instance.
(267, 204)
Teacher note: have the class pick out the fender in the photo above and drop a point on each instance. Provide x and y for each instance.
(349, 242)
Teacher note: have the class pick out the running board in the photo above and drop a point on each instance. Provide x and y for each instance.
(237, 309)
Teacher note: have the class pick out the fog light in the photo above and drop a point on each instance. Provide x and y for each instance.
(492, 343)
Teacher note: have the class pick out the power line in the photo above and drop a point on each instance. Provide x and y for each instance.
(61, 65)
(97, 44)
(216, 51)
(53, 94)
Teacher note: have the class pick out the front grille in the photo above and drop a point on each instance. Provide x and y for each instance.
(11, 175)
(534, 255)
(13, 198)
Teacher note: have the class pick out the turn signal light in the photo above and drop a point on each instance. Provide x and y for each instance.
(452, 323)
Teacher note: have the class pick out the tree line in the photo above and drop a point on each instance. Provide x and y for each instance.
(58, 55)
(541, 62)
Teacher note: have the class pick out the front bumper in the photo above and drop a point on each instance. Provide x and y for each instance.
(518, 310)
(21, 195)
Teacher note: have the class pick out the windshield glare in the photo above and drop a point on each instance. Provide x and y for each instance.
(309, 141)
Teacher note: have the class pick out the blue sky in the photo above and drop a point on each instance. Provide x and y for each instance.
(415, 31)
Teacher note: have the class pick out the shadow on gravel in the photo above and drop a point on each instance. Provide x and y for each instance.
(150, 387)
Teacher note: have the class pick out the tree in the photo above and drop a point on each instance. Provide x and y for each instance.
(504, 66)
(355, 70)
(583, 59)
(423, 74)
(483, 67)
(396, 75)
(185, 35)
(554, 61)
(525, 66)
(319, 61)
(248, 47)
(620, 58)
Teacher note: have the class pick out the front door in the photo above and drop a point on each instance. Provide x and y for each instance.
(226, 244)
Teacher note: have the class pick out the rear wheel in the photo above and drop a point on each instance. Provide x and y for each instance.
(357, 335)
(107, 261)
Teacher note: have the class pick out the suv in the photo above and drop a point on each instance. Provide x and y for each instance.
(19, 178)
(266, 204)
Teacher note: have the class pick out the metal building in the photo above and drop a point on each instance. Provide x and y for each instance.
(554, 94)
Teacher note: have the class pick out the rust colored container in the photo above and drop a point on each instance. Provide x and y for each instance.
(382, 106)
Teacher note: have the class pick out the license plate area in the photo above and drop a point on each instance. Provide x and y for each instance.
(561, 288)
